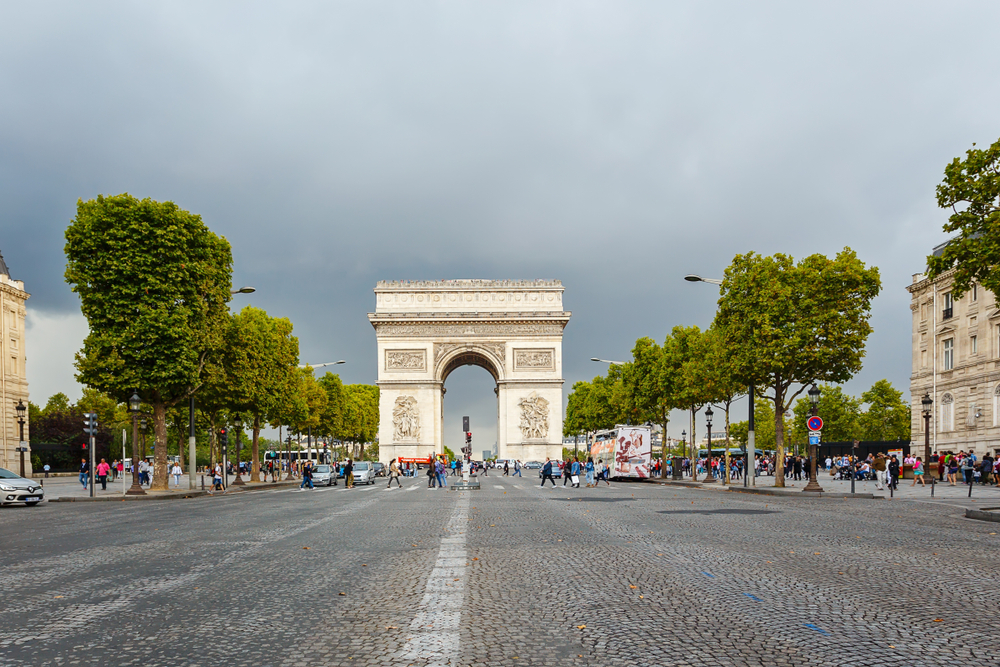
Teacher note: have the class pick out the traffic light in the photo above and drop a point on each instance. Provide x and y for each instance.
(468, 437)
(90, 423)
(224, 437)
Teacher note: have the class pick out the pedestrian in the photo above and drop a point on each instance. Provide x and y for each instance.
(102, 474)
(307, 477)
(547, 472)
(349, 474)
(431, 476)
(576, 472)
(177, 472)
(605, 471)
(506, 468)
(918, 472)
(517, 468)
(880, 466)
(590, 472)
(940, 466)
(439, 469)
(394, 475)
(217, 478)
(46, 469)
(84, 472)
(566, 467)
(952, 462)
(893, 478)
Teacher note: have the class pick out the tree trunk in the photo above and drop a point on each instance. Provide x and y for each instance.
(255, 467)
(779, 440)
(160, 447)
(728, 480)
(212, 446)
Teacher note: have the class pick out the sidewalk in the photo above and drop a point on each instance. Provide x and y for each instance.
(958, 495)
(66, 489)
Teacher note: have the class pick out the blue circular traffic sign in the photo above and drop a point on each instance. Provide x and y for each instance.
(814, 423)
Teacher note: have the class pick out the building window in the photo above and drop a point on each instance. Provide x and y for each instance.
(949, 354)
(996, 406)
(948, 306)
(947, 412)
(974, 295)
(973, 345)
(923, 358)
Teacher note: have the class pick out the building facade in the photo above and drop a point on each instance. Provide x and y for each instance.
(956, 361)
(13, 379)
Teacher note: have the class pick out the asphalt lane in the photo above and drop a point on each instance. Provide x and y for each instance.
(510, 575)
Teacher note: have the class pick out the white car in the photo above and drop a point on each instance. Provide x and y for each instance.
(324, 475)
(17, 489)
(364, 472)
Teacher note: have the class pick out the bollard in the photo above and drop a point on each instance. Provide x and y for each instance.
(202, 482)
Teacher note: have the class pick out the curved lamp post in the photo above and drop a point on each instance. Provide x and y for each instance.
(238, 425)
(926, 402)
(709, 478)
(20, 422)
(134, 404)
(813, 485)
(684, 439)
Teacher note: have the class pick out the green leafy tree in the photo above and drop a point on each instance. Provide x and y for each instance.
(575, 422)
(261, 358)
(651, 386)
(764, 426)
(360, 425)
(839, 411)
(332, 419)
(788, 324)
(153, 282)
(887, 416)
(971, 189)
(687, 359)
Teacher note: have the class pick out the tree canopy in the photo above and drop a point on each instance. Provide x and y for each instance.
(786, 324)
(971, 190)
(153, 282)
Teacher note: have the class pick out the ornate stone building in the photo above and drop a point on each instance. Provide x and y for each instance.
(956, 359)
(427, 329)
(13, 380)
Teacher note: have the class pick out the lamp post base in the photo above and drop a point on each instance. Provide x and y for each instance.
(709, 479)
(813, 487)
(135, 490)
(238, 481)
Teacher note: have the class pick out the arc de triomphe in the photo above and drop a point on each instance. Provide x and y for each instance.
(427, 329)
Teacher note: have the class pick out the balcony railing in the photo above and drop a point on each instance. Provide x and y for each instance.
(946, 313)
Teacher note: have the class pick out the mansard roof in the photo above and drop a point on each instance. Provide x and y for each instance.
(4, 271)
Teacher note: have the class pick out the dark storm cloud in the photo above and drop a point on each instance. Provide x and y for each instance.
(616, 146)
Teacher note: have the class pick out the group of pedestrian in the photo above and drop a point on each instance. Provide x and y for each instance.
(571, 469)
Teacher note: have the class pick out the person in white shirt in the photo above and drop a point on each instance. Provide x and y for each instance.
(829, 463)
(177, 472)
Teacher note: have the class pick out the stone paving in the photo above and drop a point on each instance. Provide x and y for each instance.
(631, 574)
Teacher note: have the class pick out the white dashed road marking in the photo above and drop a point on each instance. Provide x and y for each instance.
(435, 635)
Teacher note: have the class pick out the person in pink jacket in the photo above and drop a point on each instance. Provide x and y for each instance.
(102, 474)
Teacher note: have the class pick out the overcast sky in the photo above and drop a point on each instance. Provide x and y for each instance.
(615, 146)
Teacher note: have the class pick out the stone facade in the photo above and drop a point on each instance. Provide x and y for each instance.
(956, 359)
(13, 379)
(427, 329)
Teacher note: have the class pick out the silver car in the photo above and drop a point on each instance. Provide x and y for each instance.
(364, 472)
(323, 475)
(17, 489)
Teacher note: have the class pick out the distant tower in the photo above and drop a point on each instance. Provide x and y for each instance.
(13, 380)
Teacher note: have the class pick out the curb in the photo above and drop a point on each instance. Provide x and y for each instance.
(761, 491)
(984, 514)
(172, 496)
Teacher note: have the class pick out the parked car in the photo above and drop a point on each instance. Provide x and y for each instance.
(533, 465)
(324, 475)
(379, 469)
(364, 472)
(17, 489)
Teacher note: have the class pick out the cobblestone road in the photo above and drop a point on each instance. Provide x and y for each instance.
(630, 574)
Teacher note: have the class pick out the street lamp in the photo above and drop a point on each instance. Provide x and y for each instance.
(134, 404)
(288, 454)
(684, 441)
(708, 458)
(607, 361)
(927, 402)
(238, 425)
(813, 485)
(20, 422)
(329, 363)
(243, 290)
(695, 278)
